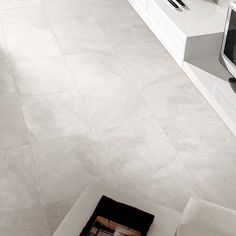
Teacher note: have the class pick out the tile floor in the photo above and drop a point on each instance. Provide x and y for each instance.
(88, 93)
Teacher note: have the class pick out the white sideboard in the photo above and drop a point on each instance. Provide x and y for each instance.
(193, 36)
(186, 33)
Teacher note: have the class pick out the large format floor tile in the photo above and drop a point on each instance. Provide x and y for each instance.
(96, 68)
(171, 186)
(32, 44)
(77, 161)
(127, 32)
(6, 4)
(81, 37)
(67, 12)
(54, 116)
(18, 181)
(26, 222)
(171, 94)
(4, 57)
(56, 211)
(13, 131)
(147, 60)
(216, 182)
(188, 132)
(22, 19)
(111, 105)
(111, 11)
(7, 84)
(137, 148)
(42, 76)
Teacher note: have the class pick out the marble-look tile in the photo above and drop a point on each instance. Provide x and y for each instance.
(137, 148)
(187, 131)
(56, 212)
(110, 105)
(96, 68)
(67, 166)
(147, 60)
(171, 94)
(22, 19)
(5, 4)
(42, 76)
(81, 37)
(18, 182)
(13, 131)
(70, 12)
(55, 115)
(216, 182)
(26, 222)
(4, 57)
(172, 186)
(32, 44)
(127, 32)
(213, 152)
(7, 84)
(111, 11)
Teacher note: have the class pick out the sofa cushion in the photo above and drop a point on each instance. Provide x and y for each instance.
(185, 230)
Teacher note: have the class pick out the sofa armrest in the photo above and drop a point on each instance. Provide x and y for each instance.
(211, 217)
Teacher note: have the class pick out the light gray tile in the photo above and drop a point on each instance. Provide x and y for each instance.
(171, 94)
(22, 19)
(112, 11)
(171, 186)
(7, 84)
(81, 37)
(187, 131)
(110, 105)
(67, 12)
(138, 148)
(13, 131)
(212, 152)
(147, 60)
(32, 44)
(216, 182)
(56, 212)
(4, 57)
(76, 161)
(27, 222)
(54, 116)
(5, 4)
(96, 68)
(127, 32)
(18, 182)
(42, 76)
(120, 23)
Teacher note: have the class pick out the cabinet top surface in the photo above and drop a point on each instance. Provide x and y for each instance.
(198, 18)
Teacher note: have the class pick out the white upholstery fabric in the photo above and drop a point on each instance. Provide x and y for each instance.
(210, 217)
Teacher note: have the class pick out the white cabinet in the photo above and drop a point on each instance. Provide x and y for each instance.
(179, 29)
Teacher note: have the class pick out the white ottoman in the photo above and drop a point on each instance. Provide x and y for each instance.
(165, 223)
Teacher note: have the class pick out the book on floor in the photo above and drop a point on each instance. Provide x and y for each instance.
(114, 218)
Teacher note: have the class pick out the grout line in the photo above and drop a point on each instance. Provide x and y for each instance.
(59, 45)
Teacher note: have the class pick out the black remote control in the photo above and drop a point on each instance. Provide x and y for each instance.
(181, 3)
(173, 4)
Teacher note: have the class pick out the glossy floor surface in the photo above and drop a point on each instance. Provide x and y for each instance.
(87, 93)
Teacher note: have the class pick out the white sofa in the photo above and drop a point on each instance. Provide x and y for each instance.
(202, 218)
(199, 218)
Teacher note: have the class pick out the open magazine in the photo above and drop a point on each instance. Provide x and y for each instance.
(114, 218)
